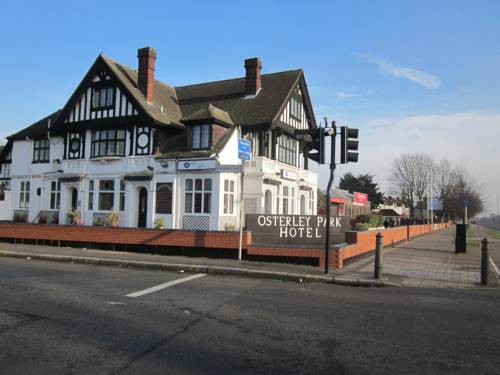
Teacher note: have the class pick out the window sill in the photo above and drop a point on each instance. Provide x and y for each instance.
(106, 158)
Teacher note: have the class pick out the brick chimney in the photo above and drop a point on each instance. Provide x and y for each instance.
(253, 80)
(146, 72)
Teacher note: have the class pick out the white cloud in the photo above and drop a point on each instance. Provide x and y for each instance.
(424, 79)
(468, 138)
(340, 95)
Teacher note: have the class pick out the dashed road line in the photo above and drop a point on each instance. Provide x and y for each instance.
(165, 285)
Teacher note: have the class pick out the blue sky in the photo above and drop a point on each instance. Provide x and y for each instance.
(413, 76)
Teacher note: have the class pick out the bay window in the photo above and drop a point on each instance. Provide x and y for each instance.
(198, 195)
(228, 197)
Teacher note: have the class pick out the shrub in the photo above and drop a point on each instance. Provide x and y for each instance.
(160, 223)
(361, 227)
(75, 217)
(112, 218)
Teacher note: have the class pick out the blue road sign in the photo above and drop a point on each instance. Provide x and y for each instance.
(244, 149)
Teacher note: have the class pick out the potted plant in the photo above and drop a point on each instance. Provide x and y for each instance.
(112, 218)
(160, 223)
(42, 219)
(75, 217)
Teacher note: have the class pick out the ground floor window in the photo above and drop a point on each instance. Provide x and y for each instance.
(24, 194)
(91, 195)
(268, 202)
(302, 204)
(198, 195)
(285, 200)
(55, 195)
(229, 197)
(164, 198)
(106, 195)
(2, 191)
(311, 202)
(122, 195)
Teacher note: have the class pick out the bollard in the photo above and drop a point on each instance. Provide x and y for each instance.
(485, 260)
(378, 256)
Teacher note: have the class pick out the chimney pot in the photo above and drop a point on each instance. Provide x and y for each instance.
(253, 77)
(146, 72)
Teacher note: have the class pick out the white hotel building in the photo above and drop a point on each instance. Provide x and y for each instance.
(129, 143)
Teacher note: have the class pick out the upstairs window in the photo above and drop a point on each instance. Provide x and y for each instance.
(287, 150)
(200, 136)
(102, 97)
(41, 148)
(295, 108)
(108, 143)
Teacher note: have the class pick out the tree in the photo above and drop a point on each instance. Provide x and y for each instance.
(415, 176)
(411, 175)
(321, 202)
(403, 180)
(443, 181)
(464, 189)
(363, 183)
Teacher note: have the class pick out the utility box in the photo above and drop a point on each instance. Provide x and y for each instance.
(461, 239)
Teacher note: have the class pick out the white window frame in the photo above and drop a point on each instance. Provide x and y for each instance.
(55, 195)
(24, 194)
(103, 191)
(192, 192)
(200, 137)
(229, 195)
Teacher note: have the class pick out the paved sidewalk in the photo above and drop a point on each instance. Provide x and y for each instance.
(428, 261)
(268, 270)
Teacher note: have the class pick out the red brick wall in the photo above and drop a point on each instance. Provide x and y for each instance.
(129, 236)
(364, 242)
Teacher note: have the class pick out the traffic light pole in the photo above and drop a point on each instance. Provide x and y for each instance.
(328, 194)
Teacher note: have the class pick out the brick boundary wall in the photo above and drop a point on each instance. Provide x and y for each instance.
(125, 236)
(358, 243)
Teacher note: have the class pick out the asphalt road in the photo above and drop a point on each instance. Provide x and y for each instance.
(58, 318)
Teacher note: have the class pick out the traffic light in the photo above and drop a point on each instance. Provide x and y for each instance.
(348, 143)
(317, 145)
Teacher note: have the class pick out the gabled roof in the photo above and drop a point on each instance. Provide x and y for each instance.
(223, 101)
(38, 129)
(164, 108)
(229, 95)
(210, 112)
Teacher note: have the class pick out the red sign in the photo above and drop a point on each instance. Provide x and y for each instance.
(360, 197)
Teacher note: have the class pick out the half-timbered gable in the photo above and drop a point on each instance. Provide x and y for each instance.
(101, 99)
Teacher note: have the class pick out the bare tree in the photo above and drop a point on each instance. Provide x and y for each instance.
(411, 176)
(443, 181)
(404, 181)
(464, 189)
(424, 169)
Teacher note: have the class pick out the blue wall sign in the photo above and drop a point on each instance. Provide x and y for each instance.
(244, 149)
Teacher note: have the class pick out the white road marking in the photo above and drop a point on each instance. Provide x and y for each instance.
(165, 285)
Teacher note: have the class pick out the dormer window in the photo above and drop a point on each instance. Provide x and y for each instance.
(102, 97)
(200, 137)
